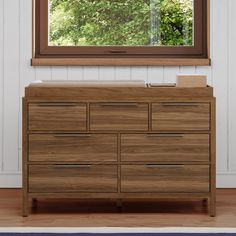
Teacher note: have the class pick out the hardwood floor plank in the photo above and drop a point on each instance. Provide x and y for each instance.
(104, 213)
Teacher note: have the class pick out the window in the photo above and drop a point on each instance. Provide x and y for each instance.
(135, 32)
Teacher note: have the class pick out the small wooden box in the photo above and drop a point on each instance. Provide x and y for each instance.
(188, 81)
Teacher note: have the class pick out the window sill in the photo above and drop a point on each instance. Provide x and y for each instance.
(120, 62)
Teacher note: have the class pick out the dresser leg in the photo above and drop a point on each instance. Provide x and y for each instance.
(34, 203)
(25, 212)
(119, 203)
(205, 201)
(212, 207)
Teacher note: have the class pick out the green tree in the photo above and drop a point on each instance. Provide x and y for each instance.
(121, 22)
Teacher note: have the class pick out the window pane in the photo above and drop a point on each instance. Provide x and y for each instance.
(121, 22)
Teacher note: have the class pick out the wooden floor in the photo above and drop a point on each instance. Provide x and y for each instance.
(81, 213)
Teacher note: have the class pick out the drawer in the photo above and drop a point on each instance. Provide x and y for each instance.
(72, 178)
(119, 116)
(180, 116)
(57, 116)
(73, 147)
(165, 178)
(165, 147)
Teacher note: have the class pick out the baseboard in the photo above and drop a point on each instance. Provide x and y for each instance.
(13, 180)
(10, 180)
(226, 180)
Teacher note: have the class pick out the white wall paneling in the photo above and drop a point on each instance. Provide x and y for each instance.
(107, 73)
(27, 75)
(232, 86)
(42, 73)
(170, 73)
(59, 73)
(155, 74)
(16, 73)
(91, 73)
(11, 32)
(75, 73)
(139, 72)
(1, 80)
(123, 73)
(220, 20)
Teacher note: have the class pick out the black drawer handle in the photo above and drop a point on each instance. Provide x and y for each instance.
(164, 166)
(117, 51)
(57, 104)
(118, 104)
(165, 135)
(72, 166)
(180, 104)
(72, 135)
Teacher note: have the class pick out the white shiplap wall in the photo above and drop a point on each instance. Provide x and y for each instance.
(16, 73)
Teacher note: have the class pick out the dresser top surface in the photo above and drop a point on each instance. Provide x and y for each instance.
(121, 90)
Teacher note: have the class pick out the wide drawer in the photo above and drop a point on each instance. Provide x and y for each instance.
(119, 116)
(165, 178)
(72, 178)
(165, 147)
(180, 116)
(73, 147)
(57, 117)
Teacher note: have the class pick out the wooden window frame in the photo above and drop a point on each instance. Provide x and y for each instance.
(45, 55)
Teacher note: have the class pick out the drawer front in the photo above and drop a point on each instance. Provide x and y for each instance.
(57, 117)
(119, 116)
(180, 116)
(72, 178)
(73, 147)
(165, 147)
(165, 178)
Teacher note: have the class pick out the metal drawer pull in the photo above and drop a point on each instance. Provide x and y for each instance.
(72, 135)
(117, 51)
(180, 104)
(119, 104)
(57, 104)
(165, 135)
(164, 166)
(72, 166)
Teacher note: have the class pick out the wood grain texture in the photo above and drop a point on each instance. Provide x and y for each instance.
(25, 208)
(116, 94)
(212, 207)
(119, 116)
(165, 178)
(104, 213)
(165, 147)
(101, 162)
(57, 117)
(72, 178)
(180, 116)
(86, 148)
(119, 62)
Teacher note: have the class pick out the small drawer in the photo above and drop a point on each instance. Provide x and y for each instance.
(72, 178)
(180, 116)
(119, 116)
(57, 116)
(165, 147)
(73, 147)
(165, 178)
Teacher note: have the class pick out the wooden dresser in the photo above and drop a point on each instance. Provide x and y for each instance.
(118, 142)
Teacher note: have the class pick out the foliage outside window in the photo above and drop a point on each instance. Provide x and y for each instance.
(123, 23)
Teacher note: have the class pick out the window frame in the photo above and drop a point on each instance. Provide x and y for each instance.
(43, 54)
